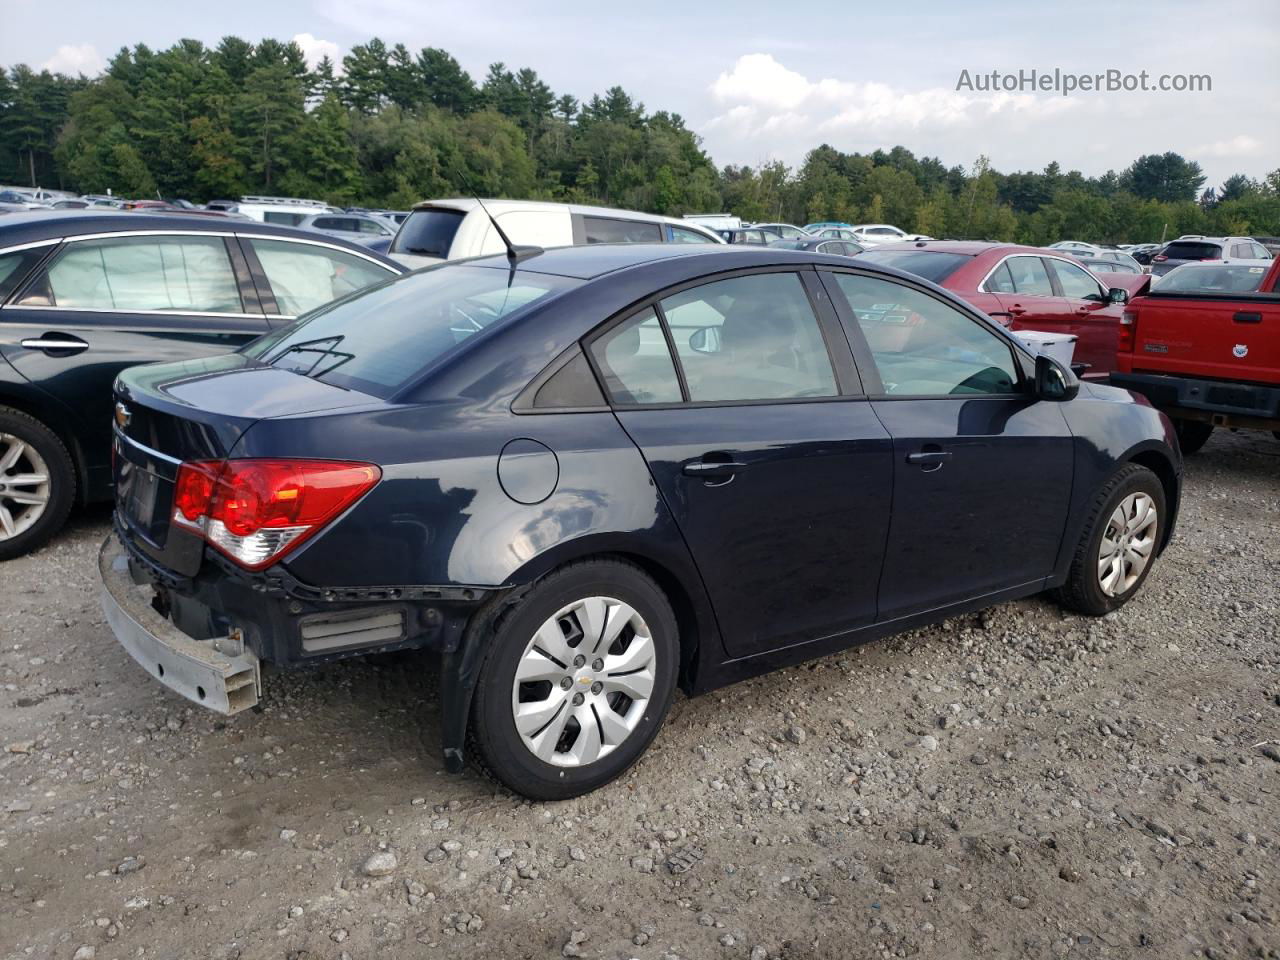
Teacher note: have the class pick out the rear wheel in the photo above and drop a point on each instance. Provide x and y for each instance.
(578, 679)
(1119, 542)
(1192, 434)
(37, 483)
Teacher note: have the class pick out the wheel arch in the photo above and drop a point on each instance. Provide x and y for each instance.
(1162, 466)
(675, 575)
(670, 567)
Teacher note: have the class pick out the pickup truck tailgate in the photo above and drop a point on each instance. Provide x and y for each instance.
(1220, 339)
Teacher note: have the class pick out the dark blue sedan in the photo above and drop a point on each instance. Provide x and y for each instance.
(594, 473)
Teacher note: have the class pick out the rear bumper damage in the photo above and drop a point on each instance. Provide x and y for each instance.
(220, 673)
(204, 637)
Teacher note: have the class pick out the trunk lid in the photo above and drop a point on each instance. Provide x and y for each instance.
(169, 413)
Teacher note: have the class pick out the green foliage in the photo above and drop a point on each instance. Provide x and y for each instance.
(393, 127)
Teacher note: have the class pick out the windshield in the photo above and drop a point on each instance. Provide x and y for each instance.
(378, 340)
(428, 233)
(1197, 279)
(929, 264)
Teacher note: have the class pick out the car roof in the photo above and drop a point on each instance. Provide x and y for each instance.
(21, 228)
(966, 248)
(595, 260)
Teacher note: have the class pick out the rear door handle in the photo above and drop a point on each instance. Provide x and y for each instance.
(929, 459)
(1244, 317)
(62, 342)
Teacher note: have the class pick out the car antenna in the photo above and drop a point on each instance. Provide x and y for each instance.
(514, 253)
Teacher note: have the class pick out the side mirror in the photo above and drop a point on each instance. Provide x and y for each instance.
(1053, 381)
(706, 340)
(1118, 295)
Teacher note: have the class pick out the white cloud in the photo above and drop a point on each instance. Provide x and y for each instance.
(763, 96)
(76, 58)
(1238, 146)
(315, 50)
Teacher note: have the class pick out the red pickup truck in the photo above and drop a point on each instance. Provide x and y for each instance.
(1203, 345)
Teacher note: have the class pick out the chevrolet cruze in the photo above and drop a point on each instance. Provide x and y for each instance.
(587, 476)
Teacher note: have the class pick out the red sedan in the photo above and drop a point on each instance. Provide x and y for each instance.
(1023, 288)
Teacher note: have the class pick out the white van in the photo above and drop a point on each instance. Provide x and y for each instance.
(283, 211)
(715, 221)
(439, 230)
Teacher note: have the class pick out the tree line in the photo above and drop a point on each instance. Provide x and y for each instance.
(393, 127)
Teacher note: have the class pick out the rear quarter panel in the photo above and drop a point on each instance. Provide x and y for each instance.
(441, 515)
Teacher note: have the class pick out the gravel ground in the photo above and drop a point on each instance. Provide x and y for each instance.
(1019, 783)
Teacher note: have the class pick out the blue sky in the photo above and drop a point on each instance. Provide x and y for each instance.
(770, 80)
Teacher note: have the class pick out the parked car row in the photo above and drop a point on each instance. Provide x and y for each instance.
(336, 457)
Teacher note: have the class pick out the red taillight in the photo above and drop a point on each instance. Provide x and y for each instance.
(1160, 258)
(1128, 329)
(193, 489)
(256, 511)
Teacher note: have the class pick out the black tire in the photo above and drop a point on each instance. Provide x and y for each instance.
(62, 482)
(495, 742)
(1192, 434)
(1083, 592)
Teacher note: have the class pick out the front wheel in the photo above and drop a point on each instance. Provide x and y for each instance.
(578, 679)
(1118, 544)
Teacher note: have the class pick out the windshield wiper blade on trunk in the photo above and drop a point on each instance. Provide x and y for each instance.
(317, 346)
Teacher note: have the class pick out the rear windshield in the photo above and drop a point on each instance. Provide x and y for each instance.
(1237, 278)
(428, 233)
(1193, 251)
(380, 339)
(930, 264)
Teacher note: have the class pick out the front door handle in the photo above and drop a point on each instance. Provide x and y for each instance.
(714, 472)
(59, 342)
(930, 458)
(1017, 310)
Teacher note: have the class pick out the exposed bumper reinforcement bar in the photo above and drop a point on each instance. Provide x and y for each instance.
(221, 674)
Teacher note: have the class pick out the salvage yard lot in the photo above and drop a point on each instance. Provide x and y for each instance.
(1021, 782)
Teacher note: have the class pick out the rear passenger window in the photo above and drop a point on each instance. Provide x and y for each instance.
(750, 338)
(605, 230)
(635, 361)
(15, 266)
(304, 276)
(183, 274)
(1000, 281)
(573, 385)
(1029, 276)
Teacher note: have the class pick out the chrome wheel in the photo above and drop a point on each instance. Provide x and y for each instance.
(583, 681)
(1127, 544)
(24, 486)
